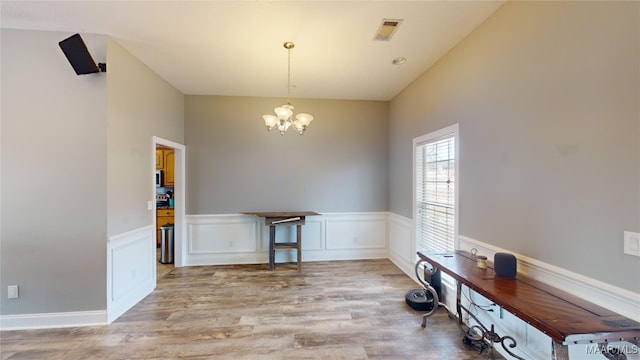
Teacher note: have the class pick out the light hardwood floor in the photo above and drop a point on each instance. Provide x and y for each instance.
(330, 310)
(162, 269)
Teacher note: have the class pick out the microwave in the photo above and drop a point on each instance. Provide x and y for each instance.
(158, 178)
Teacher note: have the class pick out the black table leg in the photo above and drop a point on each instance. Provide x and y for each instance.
(272, 250)
(299, 246)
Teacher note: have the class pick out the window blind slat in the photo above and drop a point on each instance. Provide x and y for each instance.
(435, 195)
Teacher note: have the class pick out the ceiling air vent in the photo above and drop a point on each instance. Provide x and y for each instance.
(386, 29)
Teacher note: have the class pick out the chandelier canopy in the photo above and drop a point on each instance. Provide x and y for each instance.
(284, 114)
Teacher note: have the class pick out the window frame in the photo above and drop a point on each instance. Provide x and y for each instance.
(452, 130)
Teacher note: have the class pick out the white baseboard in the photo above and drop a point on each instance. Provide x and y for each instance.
(53, 320)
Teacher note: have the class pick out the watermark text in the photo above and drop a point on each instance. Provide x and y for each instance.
(614, 349)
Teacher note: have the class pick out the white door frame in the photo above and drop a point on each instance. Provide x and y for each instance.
(179, 194)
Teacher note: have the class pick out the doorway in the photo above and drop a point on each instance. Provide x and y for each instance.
(169, 205)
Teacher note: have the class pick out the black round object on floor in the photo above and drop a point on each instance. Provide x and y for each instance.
(419, 299)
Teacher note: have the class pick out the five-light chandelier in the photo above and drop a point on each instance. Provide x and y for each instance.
(284, 113)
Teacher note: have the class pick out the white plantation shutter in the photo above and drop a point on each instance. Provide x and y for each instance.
(435, 194)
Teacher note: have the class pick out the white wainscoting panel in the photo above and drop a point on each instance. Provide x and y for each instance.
(352, 236)
(131, 270)
(223, 236)
(312, 234)
(354, 231)
(244, 239)
(312, 239)
(401, 243)
(222, 239)
(529, 343)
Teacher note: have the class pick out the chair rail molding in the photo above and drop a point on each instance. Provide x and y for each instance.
(611, 297)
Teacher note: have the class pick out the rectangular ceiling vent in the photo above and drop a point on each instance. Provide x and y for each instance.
(386, 29)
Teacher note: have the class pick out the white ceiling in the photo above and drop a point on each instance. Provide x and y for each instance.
(235, 48)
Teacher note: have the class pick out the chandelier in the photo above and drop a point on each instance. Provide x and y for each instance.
(284, 113)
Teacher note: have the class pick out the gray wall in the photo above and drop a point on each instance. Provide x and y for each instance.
(77, 163)
(547, 97)
(141, 105)
(53, 124)
(234, 164)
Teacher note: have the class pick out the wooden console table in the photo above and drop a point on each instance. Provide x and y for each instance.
(565, 318)
(284, 218)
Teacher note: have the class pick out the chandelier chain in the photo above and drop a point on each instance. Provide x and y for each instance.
(289, 75)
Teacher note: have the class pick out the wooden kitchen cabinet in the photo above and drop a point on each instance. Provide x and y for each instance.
(165, 162)
(169, 168)
(163, 217)
(159, 159)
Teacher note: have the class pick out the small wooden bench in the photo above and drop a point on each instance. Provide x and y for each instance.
(565, 318)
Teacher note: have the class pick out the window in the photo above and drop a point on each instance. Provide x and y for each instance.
(435, 208)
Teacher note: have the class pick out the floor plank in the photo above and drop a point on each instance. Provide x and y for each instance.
(329, 310)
